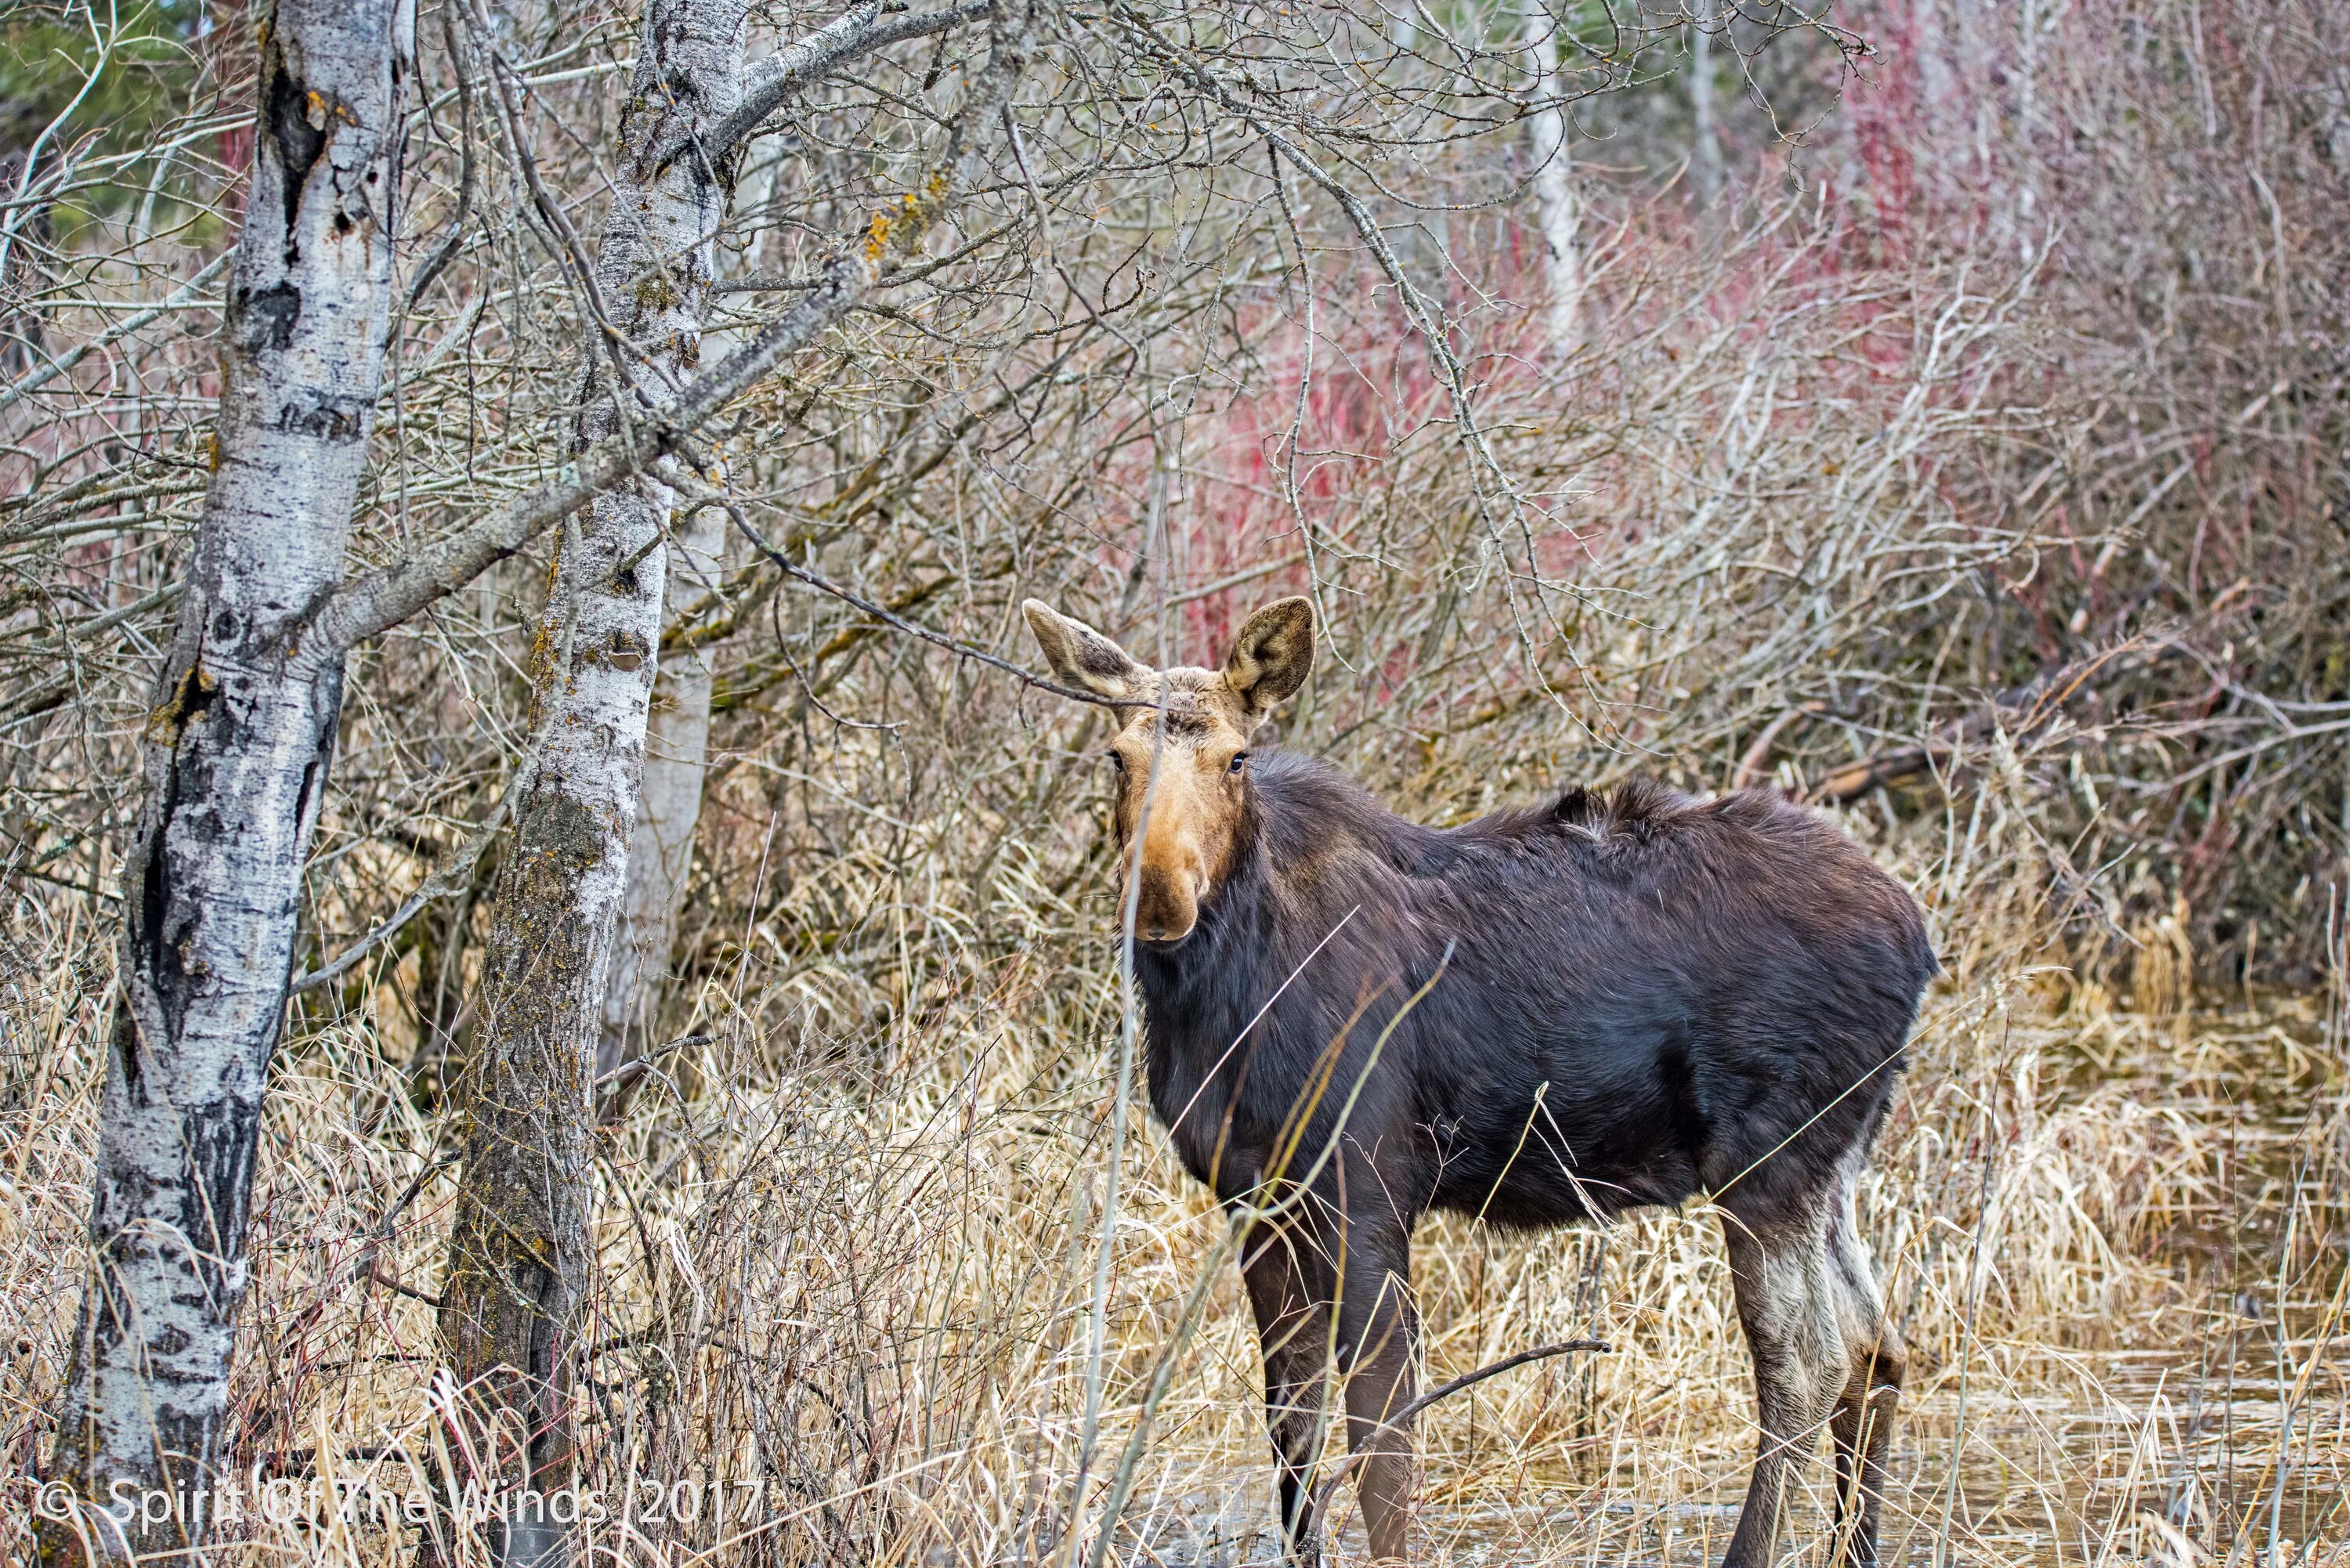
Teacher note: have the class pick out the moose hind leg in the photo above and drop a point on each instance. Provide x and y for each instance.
(1870, 1400)
(1283, 1270)
(1788, 1303)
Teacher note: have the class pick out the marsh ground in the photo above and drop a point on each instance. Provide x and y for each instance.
(863, 1276)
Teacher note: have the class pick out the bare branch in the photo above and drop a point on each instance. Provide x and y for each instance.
(857, 32)
(380, 600)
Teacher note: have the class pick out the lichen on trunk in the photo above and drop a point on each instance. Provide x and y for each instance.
(519, 1262)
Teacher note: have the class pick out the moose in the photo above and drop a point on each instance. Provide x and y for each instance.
(1542, 1017)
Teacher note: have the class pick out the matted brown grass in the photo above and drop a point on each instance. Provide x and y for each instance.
(860, 1270)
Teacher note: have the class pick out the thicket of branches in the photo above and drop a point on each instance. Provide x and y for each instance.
(2022, 359)
(1954, 431)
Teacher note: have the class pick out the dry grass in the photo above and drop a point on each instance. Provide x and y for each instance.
(1843, 471)
(861, 1266)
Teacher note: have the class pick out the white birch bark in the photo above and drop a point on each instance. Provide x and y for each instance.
(519, 1252)
(1555, 193)
(236, 757)
(677, 732)
(676, 735)
(1705, 153)
(669, 805)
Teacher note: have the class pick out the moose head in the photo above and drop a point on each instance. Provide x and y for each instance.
(1180, 753)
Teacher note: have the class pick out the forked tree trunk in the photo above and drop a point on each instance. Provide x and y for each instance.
(1555, 194)
(518, 1259)
(669, 810)
(236, 755)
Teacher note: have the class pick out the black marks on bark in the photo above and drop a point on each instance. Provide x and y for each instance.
(265, 317)
(157, 955)
(158, 937)
(222, 1138)
(324, 417)
(124, 1044)
(329, 709)
(285, 109)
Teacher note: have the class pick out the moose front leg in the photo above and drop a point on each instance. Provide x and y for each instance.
(1377, 1330)
(1287, 1274)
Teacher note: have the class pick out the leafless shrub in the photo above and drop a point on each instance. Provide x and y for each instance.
(1976, 467)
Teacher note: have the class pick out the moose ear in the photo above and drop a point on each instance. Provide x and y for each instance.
(1082, 657)
(1273, 654)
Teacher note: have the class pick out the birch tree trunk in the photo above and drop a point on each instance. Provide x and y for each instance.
(678, 734)
(519, 1253)
(1555, 195)
(1705, 153)
(669, 808)
(677, 747)
(236, 757)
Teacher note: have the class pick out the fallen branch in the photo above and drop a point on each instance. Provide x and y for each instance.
(1441, 1391)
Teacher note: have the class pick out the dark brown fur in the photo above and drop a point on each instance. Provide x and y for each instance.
(1543, 1017)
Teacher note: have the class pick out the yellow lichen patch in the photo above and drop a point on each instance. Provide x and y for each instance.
(542, 651)
(655, 294)
(318, 109)
(877, 238)
(194, 690)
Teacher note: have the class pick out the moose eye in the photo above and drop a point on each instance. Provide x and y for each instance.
(1240, 761)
